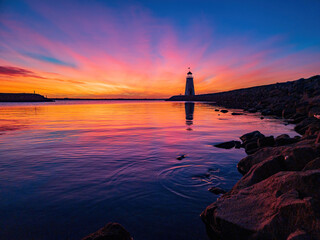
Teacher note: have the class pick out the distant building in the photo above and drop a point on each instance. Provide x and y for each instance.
(189, 85)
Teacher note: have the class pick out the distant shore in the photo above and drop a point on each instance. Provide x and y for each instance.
(108, 99)
(23, 97)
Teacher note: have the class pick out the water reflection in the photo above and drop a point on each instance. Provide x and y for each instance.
(189, 109)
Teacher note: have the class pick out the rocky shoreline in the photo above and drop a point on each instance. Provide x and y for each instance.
(278, 196)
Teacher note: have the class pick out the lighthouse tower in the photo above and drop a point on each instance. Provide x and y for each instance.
(189, 85)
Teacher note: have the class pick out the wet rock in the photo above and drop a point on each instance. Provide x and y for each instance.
(271, 209)
(112, 231)
(266, 142)
(216, 190)
(224, 111)
(251, 136)
(227, 145)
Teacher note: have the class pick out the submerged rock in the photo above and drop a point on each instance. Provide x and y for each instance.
(228, 145)
(112, 231)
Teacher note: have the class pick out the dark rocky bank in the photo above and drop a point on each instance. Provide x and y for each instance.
(23, 97)
(278, 196)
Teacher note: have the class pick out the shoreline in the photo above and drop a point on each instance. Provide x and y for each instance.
(277, 196)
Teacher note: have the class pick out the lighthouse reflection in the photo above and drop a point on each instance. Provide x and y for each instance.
(189, 109)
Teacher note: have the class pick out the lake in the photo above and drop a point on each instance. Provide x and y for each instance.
(69, 167)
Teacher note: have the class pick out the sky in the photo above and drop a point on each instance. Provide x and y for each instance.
(142, 49)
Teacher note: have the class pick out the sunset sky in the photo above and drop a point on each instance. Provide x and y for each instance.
(130, 49)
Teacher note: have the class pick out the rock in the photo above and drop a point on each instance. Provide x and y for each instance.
(237, 144)
(266, 142)
(181, 157)
(251, 147)
(217, 110)
(315, 110)
(271, 209)
(224, 111)
(302, 147)
(227, 145)
(250, 136)
(266, 112)
(297, 158)
(112, 231)
(299, 235)
(318, 138)
(285, 139)
(216, 190)
(302, 127)
(261, 171)
(288, 112)
(314, 164)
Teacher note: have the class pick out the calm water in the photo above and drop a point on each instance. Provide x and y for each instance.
(69, 167)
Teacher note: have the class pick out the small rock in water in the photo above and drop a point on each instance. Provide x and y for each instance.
(181, 156)
(224, 111)
(216, 190)
(217, 110)
(228, 145)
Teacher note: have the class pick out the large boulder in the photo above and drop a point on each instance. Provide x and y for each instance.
(271, 209)
(112, 231)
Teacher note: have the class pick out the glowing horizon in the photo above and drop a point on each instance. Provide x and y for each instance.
(137, 50)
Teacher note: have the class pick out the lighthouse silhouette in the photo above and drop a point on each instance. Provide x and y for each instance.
(189, 84)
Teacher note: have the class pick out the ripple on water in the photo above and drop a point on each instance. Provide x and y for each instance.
(185, 180)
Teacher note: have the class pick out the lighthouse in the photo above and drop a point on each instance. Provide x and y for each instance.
(189, 84)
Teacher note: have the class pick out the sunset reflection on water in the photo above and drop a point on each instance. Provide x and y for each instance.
(69, 167)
